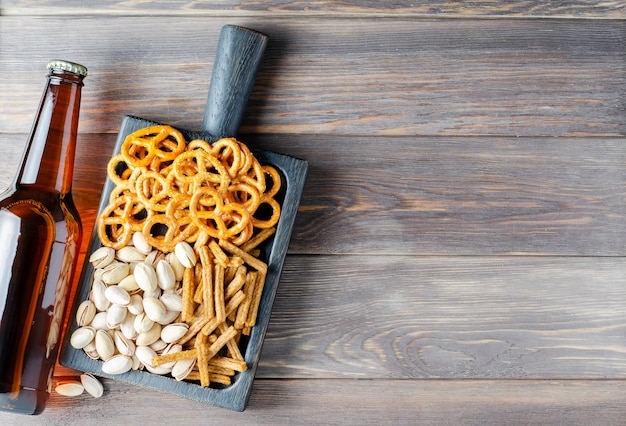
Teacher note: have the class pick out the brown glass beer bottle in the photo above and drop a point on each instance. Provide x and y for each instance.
(40, 235)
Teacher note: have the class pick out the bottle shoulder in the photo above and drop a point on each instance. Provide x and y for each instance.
(58, 205)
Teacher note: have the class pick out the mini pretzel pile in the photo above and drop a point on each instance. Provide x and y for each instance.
(174, 191)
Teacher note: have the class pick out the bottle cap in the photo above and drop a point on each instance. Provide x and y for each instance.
(68, 66)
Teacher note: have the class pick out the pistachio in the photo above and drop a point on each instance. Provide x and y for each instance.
(117, 364)
(185, 254)
(182, 368)
(117, 295)
(90, 350)
(154, 293)
(102, 257)
(154, 308)
(153, 258)
(99, 321)
(170, 349)
(135, 306)
(130, 254)
(69, 388)
(85, 313)
(158, 346)
(130, 284)
(115, 272)
(165, 275)
(146, 277)
(141, 243)
(104, 345)
(149, 337)
(172, 332)
(97, 295)
(82, 336)
(143, 323)
(127, 327)
(136, 363)
(145, 355)
(172, 301)
(115, 315)
(92, 385)
(176, 266)
(160, 370)
(124, 345)
(169, 317)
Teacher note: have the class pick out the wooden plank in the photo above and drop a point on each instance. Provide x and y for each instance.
(356, 402)
(465, 196)
(341, 76)
(425, 196)
(448, 317)
(462, 9)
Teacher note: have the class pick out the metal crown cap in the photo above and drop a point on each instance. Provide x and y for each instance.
(72, 67)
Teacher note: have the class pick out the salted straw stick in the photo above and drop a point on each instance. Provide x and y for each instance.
(247, 258)
(207, 281)
(255, 241)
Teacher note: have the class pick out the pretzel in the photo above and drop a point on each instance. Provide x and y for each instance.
(118, 221)
(201, 168)
(172, 191)
(140, 148)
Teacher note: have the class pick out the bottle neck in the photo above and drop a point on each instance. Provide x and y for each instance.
(48, 161)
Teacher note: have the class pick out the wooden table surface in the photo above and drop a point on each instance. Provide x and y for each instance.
(458, 252)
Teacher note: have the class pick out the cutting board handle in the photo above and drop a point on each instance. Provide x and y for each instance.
(237, 59)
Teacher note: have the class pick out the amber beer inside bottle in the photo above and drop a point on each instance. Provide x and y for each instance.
(40, 235)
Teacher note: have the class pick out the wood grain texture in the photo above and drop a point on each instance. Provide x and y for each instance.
(461, 9)
(339, 76)
(425, 196)
(447, 317)
(458, 254)
(357, 402)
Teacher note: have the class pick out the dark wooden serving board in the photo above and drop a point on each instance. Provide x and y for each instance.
(237, 60)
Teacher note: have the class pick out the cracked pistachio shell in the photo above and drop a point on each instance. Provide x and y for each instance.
(170, 317)
(116, 315)
(153, 258)
(97, 295)
(69, 388)
(182, 368)
(172, 332)
(130, 284)
(102, 257)
(142, 323)
(117, 364)
(82, 336)
(104, 345)
(99, 321)
(150, 336)
(172, 301)
(165, 275)
(141, 243)
(90, 351)
(127, 327)
(145, 354)
(185, 254)
(115, 272)
(117, 295)
(130, 254)
(154, 309)
(85, 313)
(124, 345)
(176, 266)
(92, 385)
(135, 306)
(146, 278)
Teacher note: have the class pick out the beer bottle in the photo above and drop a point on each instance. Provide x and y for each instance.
(40, 236)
